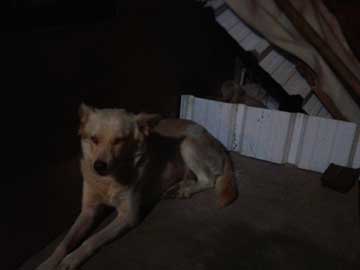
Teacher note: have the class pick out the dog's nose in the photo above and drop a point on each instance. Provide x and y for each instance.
(100, 167)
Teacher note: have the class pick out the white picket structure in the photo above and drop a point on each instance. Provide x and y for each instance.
(308, 142)
(272, 61)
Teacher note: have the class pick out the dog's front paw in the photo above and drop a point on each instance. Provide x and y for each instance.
(182, 190)
(70, 262)
(184, 193)
(171, 193)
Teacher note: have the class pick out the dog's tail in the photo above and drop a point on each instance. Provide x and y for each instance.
(226, 188)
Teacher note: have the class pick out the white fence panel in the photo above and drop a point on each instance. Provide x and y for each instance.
(308, 142)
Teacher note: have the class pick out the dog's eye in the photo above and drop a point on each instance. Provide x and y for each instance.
(94, 139)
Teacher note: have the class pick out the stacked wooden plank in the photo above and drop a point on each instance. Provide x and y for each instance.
(308, 142)
(272, 61)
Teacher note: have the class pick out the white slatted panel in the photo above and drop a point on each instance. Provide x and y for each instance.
(238, 129)
(186, 107)
(313, 106)
(356, 160)
(308, 142)
(283, 71)
(264, 133)
(239, 31)
(246, 38)
(272, 61)
(326, 141)
(216, 117)
(341, 147)
(250, 42)
(296, 139)
(262, 46)
(324, 113)
(199, 112)
(227, 19)
(297, 85)
(215, 4)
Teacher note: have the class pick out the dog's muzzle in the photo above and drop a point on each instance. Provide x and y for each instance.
(101, 167)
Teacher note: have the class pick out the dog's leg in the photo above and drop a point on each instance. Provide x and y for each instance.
(189, 178)
(191, 152)
(119, 226)
(77, 232)
(189, 187)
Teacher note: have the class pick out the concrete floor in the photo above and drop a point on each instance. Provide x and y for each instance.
(283, 219)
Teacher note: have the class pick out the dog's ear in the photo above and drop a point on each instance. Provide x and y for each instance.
(145, 122)
(84, 112)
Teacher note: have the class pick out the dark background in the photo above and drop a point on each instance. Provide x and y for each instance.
(139, 55)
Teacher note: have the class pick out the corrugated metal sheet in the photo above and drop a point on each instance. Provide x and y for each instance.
(282, 70)
(215, 4)
(308, 142)
(313, 106)
(297, 85)
(227, 19)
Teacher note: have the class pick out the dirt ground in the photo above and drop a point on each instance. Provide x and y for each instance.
(283, 219)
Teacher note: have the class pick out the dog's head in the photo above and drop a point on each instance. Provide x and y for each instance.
(109, 136)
